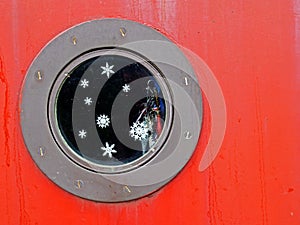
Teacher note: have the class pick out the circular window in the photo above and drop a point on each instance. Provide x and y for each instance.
(112, 111)
(111, 116)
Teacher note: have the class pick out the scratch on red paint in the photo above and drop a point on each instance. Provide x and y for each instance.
(214, 213)
(5, 114)
(261, 155)
(24, 215)
(297, 34)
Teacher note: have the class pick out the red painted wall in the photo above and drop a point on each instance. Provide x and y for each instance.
(253, 48)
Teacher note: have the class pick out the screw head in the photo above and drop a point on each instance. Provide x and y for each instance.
(126, 188)
(42, 151)
(74, 40)
(78, 184)
(38, 75)
(187, 135)
(186, 81)
(123, 31)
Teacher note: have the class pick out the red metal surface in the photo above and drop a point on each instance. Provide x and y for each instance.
(253, 48)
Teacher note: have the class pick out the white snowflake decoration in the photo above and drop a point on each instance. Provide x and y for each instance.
(103, 121)
(139, 131)
(84, 83)
(126, 88)
(107, 69)
(88, 101)
(108, 150)
(82, 134)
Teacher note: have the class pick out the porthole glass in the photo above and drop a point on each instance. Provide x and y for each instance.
(111, 109)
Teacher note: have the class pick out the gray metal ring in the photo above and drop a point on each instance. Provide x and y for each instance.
(94, 184)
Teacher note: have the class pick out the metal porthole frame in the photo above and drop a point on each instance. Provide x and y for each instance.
(143, 179)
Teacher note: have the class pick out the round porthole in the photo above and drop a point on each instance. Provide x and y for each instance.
(111, 110)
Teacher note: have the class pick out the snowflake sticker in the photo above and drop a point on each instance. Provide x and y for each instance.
(126, 88)
(88, 101)
(107, 69)
(82, 134)
(103, 121)
(108, 150)
(139, 131)
(84, 83)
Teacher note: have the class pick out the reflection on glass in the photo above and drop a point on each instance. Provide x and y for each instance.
(110, 110)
